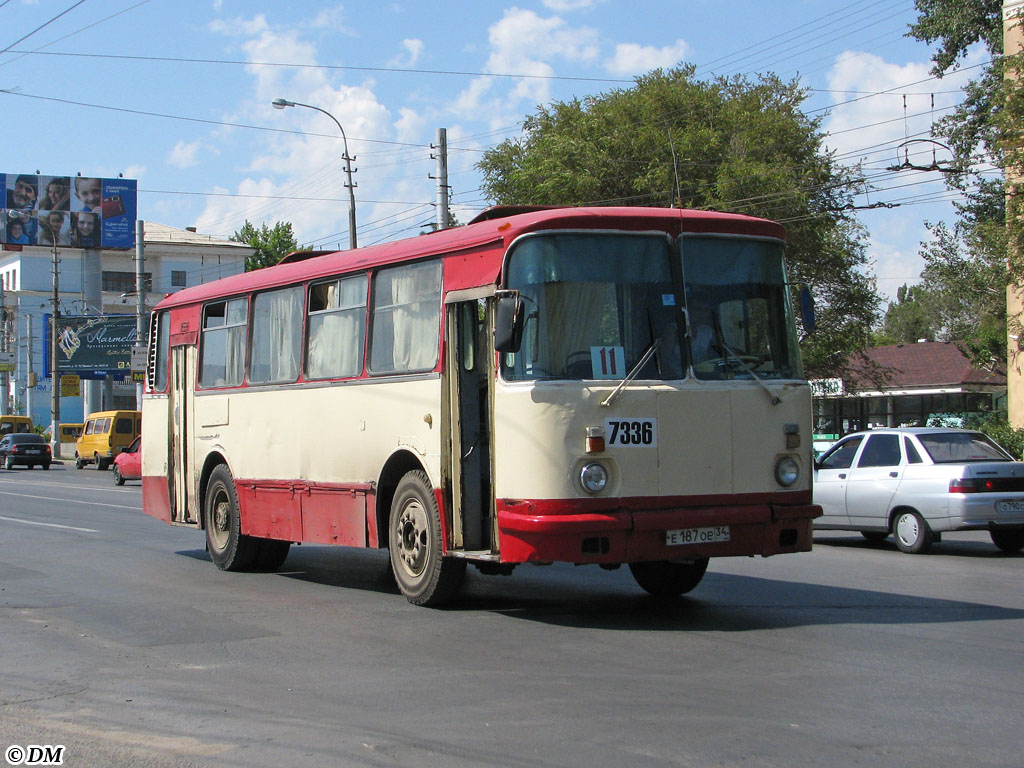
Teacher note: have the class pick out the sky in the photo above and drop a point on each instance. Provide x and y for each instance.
(177, 94)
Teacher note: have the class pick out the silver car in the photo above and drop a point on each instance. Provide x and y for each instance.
(915, 482)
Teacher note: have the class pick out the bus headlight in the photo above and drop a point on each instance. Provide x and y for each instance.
(593, 477)
(786, 471)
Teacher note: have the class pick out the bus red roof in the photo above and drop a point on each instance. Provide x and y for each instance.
(497, 232)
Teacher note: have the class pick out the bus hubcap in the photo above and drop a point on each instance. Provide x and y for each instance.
(412, 535)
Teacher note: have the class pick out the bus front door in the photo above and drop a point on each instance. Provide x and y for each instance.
(469, 374)
(180, 460)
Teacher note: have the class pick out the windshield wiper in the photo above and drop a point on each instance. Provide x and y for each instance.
(721, 343)
(633, 373)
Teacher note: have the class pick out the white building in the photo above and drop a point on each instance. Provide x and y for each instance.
(172, 259)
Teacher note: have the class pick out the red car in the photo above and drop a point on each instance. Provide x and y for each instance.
(128, 464)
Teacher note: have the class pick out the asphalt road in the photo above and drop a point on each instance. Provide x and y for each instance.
(122, 642)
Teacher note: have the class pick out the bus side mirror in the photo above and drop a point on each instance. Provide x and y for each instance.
(807, 309)
(508, 322)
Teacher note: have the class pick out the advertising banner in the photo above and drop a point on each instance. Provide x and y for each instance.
(94, 347)
(74, 211)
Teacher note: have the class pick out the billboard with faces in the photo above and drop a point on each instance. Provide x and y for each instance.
(73, 211)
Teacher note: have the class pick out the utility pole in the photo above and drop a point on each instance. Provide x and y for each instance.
(30, 375)
(441, 146)
(54, 359)
(4, 378)
(140, 299)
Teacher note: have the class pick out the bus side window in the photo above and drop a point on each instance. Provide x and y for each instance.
(276, 336)
(337, 328)
(222, 356)
(405, 335)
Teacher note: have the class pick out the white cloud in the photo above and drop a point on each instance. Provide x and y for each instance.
(134, 171)
(564, 6)
(330, 18)
(239, 26)
(524, 43)
(412, 50)
(184, 154)
(635, 59)
(409, 126)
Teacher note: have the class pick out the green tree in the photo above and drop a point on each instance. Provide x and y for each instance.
(729, 144)
(966, 268)
(271, 243)
(909, 318)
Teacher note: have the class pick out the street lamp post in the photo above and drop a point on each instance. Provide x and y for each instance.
(281, 104)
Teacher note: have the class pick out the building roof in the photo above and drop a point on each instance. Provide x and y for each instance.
(161, 233)
(926, 364)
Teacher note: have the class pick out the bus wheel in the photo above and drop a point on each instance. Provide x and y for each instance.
(270, 554)
(229, 549)
(414, 539)
(79, 462)
(665, 578)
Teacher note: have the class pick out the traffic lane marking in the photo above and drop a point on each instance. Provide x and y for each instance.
(48, 525)
(67, 501)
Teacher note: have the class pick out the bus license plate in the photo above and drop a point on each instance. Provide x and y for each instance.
(1010, 506)
(710, 535)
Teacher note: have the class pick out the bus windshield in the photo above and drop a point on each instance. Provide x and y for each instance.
(595, 304)
(738, 307)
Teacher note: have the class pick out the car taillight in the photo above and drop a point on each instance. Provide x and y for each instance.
(14, 449)
(970, 485)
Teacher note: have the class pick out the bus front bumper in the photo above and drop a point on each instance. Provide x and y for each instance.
(567, 531)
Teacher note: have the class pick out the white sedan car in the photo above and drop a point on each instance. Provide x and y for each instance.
(915, 482)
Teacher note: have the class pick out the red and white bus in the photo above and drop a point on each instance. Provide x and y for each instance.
(585, 385)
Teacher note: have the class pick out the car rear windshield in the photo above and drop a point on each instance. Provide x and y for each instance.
(960, 447)
(27, 438)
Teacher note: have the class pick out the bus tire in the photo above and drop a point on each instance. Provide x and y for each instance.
(665, 578)
(423, 574)
(229, 549)
(270, 554)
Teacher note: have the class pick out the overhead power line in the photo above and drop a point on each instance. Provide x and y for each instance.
(332, 67)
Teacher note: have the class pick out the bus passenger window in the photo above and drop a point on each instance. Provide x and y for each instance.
(337, 328)
(223, 344)
(276, 336)
(406, 318)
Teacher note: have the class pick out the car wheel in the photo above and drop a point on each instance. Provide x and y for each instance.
(118, 477)
(664, 578)
(270, 554)
(1008, 539)
(875, 536)
(230, 550)
(913, 535)
(423, 574)
(8, 463)
(46, 465)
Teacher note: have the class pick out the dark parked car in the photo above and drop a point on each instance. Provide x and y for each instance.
(24, 448)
